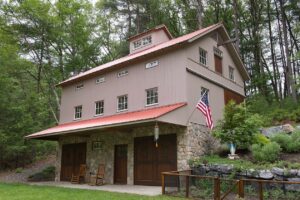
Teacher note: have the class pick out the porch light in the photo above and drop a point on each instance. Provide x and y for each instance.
(156, 134)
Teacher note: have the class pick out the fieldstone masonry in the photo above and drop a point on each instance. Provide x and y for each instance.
(192, 141)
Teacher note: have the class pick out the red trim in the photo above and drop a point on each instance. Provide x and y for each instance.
(157, 28)
(117, 119)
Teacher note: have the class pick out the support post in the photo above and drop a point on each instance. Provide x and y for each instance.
(163, 189)
(187, 186)
(217, 192)
(241, 188)
(260, 188)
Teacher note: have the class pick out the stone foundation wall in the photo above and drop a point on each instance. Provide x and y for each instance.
(192, 141)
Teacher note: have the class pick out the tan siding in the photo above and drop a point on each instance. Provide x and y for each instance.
(207, 43)
(168, 77)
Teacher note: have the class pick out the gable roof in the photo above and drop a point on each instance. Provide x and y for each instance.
(140, 116)
(185, 39)
(157, 28)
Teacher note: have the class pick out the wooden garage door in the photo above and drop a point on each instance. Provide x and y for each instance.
(73, 155)
(150, 161)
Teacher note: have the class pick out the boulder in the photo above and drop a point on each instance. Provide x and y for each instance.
(265, 174)
(286, 128)
(226, 169)
(277, 171)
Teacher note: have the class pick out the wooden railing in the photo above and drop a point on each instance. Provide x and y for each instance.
(239, 184)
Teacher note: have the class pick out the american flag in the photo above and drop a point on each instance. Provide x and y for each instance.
(203, 106)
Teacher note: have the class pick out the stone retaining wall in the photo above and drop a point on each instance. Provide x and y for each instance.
(222, 170)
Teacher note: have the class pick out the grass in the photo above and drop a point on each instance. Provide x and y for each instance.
(243, 164)
(29, 192)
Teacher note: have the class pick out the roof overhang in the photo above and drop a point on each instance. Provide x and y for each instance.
(119, 120)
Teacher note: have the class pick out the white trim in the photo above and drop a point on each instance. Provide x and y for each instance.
(149, 105)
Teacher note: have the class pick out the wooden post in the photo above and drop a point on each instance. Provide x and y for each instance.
(187, 186)
(260, 188)
(163, 189)
(217, 192)
(241, 188)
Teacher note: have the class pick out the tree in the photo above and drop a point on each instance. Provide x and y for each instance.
(238, 126)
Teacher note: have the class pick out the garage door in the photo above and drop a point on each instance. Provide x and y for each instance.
(150, 161)
(73, 155)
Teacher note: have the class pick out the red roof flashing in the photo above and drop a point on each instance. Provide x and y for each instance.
(117, 119)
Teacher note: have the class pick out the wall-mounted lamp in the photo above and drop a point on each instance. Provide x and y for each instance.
(156, 134)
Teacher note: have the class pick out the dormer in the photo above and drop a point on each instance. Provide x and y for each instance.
(149, 38)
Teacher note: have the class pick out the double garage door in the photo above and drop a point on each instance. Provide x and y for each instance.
(150, 161)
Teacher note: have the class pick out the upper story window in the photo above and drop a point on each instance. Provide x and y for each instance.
(231, 73)
(152, 96)
(142, 42)
(78, 112)
(122, 103)
(147, 40)
(218, 52)
(152, 64)
(204, 90)
(123, 73)
(99, 105)
(202, 56)
(100, 80)
(79, 86)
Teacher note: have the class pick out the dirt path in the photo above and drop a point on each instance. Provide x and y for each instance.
(13, 177)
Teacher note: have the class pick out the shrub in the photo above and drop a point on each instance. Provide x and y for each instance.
(266, 153)
(261, 139)
(282, 139)
(19, 170)
(288, 143)
(48, 174)
(238, 126)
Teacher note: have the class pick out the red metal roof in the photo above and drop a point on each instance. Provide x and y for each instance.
(153, 49)
(160, 27)
(101, 122)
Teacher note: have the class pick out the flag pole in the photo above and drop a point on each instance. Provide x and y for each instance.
(195, 108)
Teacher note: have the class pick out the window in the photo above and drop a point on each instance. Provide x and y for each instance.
(100, 80)
(204, 90)
(137, 44)
(147, 40)
(152, 64)
(203, 56)
(218, 52)
(152, 96)
(122, 103)
(142, 42)
(99, 107)
(79, 86)
(231, 73)
(123, 73)
(78, 112)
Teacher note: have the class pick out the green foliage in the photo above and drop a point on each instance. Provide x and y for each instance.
(241, 164)
(47, 174)
(19, 170)
(274, 112)
(288, 143)
(261, 139)
(266, 153)
(238, 126)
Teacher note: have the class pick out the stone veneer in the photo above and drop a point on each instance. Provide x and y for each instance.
(192, 141)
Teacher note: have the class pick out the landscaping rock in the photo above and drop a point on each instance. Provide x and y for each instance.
(265, 174)
(226, 169)
(293, 172)
(277, 171)
(271, 131)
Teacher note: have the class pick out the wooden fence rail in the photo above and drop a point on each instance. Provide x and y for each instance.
(239, 184)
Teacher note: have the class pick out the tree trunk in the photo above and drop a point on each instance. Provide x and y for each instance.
(236, 25)
(290, 82)
(275, 84)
